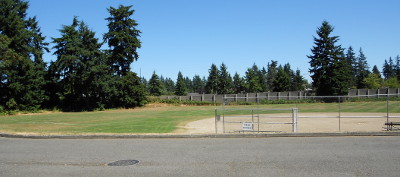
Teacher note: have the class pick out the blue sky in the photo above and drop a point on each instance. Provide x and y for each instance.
(190, 35)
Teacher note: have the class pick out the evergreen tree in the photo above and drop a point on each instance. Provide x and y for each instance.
(122, 38)
(271, 74)
(180, 88)
(362, 70)
(329, 69)
(263, 79)
(238, 84)
(253, 80)
(282, 81)
(130, 93)
(376, 71)
(198, 84)
(386, 70)
(352, 61)
(21, 64)
(188, 84)
(80, 71)
(389, 69)
(169, 86)
(155, 85)
(298, 82)
(288, 70)
(224, 81)
(212, 81)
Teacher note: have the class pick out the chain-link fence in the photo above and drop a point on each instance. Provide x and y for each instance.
(309, 114)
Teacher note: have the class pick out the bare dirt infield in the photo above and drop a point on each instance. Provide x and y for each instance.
(307, 123)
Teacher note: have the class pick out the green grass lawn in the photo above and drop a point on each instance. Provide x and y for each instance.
(164, 119)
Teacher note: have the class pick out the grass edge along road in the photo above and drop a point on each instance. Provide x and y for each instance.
(153, 118)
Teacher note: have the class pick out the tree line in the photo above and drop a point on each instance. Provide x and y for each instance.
(219, 81)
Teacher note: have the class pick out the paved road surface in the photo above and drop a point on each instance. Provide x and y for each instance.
(333, 156)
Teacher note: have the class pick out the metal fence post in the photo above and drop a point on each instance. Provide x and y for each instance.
(294, 119)
(216, 121)
(387, 109)
(339, 112)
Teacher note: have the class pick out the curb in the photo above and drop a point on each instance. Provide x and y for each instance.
(162, 136)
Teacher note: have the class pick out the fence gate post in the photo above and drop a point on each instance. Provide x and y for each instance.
(294, 119)
(387, 109)
(216, 119)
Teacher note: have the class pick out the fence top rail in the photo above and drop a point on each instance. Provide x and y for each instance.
(287, 96)
(257, 109)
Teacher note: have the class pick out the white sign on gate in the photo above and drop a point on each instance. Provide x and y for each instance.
(247, 126)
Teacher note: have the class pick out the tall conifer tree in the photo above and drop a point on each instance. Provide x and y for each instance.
(212, 81)
(362, 70)
(224, 80)
(329, 69)
(122, 38)
(155, 85)
(180, 88)
(21, 64)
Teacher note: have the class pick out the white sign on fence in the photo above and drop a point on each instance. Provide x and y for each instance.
(247, 126)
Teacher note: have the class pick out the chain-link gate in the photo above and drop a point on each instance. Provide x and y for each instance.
(233, 118)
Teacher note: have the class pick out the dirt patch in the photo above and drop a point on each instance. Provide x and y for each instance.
(307, 123)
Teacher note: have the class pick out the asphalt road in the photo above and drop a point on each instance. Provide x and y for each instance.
(315, 156)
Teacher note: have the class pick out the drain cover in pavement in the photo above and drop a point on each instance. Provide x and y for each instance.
(123, 163)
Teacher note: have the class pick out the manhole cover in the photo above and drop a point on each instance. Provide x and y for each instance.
(123, 163)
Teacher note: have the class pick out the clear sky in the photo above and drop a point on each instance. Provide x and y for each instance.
(190, 35)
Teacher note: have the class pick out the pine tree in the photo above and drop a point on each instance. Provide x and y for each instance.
(298, 81)
(282, 81)
(212, 81)
(132, 93)
(376, 71)
(122, 38)
(198, 84)
(169, 86)
(22, 68)
(263, 79)
(155, 85)
(80, 71)
(271, 74)
(352, 61)
(329, 69)
(188, 84)
(253, 80)
(224, 81)
(288, 70)
(238, 84)
(180, 88)
(362, 70)
(389, 69)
